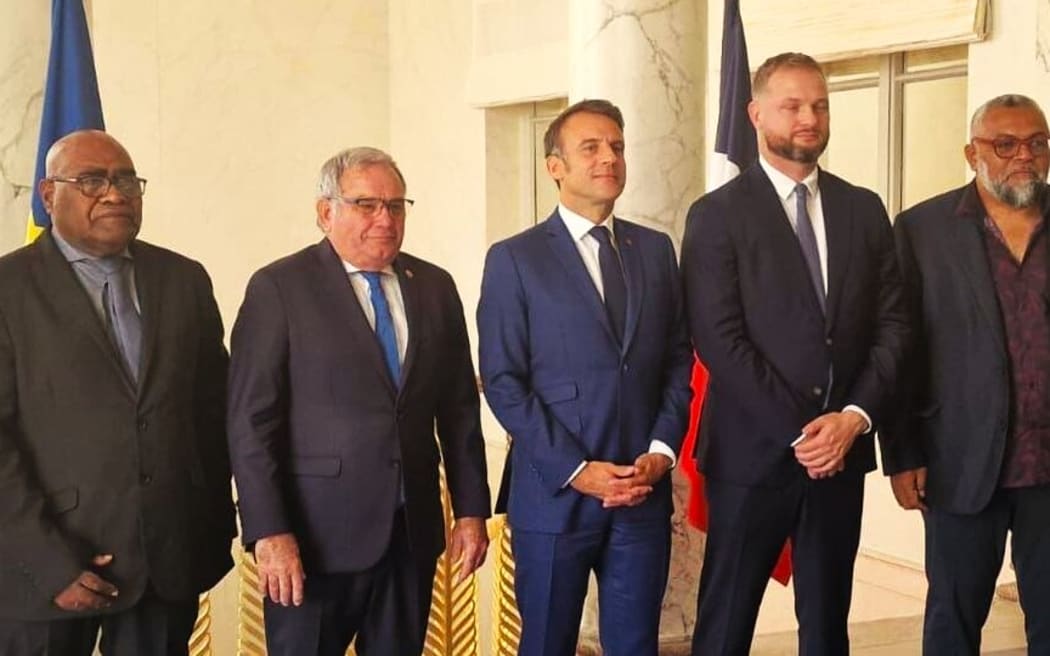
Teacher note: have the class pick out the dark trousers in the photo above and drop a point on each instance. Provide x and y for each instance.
(152, 627)
(630, 561)
(964, 554)
(386, 608)
(747, 529)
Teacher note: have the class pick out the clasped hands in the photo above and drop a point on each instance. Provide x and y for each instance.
(826, 440)
(621, 485)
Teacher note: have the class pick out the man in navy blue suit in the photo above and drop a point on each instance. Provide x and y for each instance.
(795, 306)
(585, 361)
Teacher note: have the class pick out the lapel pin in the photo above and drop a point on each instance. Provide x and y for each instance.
(629, 242)
(409, 274)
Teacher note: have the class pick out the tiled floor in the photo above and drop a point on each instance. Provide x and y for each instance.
(886, 617)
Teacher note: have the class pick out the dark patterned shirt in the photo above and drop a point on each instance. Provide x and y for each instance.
(1022, 291)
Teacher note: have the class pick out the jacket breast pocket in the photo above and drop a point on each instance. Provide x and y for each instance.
(64, 500)
(561, 400)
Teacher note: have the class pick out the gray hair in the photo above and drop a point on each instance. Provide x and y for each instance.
(1008, 101)
(351, 158)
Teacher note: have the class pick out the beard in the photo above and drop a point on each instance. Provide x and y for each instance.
(784, 147)
(1018, 195)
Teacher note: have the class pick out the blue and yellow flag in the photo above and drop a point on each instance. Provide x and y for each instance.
(71, 100)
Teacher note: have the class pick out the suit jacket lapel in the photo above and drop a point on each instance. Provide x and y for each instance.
(765, 205)
(148, 281)
(634, 272)
(838, 231)
(63, 290)
(566, 253)
(348, 312)
(968, 236)
(410, 296)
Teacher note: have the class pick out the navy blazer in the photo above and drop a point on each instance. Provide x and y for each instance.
(320, 438)
(955, 408)
(560, 381)
(756, 323)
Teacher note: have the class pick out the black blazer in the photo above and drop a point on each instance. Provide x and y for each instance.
(87, 464)
(756, 323)
(955, 407)
(319, 436)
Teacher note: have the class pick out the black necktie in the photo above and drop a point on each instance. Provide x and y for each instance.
(807, 240)
(612, 279)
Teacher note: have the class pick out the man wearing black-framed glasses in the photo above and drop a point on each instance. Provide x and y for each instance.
(347, 357)
(971, 444)
(114, 477)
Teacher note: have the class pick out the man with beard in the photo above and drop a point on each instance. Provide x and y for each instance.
(971, 447)
(795, 305)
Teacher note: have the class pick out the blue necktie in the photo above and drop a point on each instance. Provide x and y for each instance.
(613, 285)
(384, 324)
(123, 319)
(807, 240)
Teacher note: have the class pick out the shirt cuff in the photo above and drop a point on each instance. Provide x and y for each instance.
(575, 473)
(864, 415)
(657, 446)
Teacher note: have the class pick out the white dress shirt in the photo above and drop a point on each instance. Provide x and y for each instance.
(579, 229)
(785, 188)
(392, 290)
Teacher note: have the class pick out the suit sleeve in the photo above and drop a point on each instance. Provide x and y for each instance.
(210, 398)
(874, 385)
(257, 419)
(31, 544)
(504, 355)
(459, 421)
(673, 417)
(717, 325)
(899, 437)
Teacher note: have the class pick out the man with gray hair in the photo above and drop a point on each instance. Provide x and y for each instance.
(971, 444)
(345, 357)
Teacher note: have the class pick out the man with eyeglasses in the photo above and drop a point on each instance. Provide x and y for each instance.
(346, 357)
(970, 447)
(115, 501)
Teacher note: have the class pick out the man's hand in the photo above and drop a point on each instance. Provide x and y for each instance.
(828, 439)
(649, 468)
(615, 485)
(89, 591)
(468, 545)
(280, 569)
(910, 488)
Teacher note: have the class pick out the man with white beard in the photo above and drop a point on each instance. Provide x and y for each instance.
(971, 444)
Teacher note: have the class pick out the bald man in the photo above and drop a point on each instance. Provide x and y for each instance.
(114, 479)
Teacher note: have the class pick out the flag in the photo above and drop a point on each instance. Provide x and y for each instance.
(71, 100)
(736, 148)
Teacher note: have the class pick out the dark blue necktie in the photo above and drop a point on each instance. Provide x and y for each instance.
(123, 319)
(613, 285)
(384, 324)
(807, 240)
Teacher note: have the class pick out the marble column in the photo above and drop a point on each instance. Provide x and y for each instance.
(24, 38)
(648, 57)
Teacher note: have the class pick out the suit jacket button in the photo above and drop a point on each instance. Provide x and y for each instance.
(818, 390)
(146, 479)
(143, 424)
(827, 341)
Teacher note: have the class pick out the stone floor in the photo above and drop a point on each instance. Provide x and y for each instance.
(885, 619)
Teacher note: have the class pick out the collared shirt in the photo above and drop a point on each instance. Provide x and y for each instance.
(579, 228)
(1021, 289)
(785, 188)
(392, 290)
(92, 278)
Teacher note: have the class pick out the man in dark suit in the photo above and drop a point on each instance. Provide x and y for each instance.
(971, 446)
(345, 357)
(794, 304)
(586, 363)
(114, 478)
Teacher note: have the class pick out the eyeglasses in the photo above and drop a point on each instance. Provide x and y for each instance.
(1007, 147)
(97, 186)
(395, 207)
